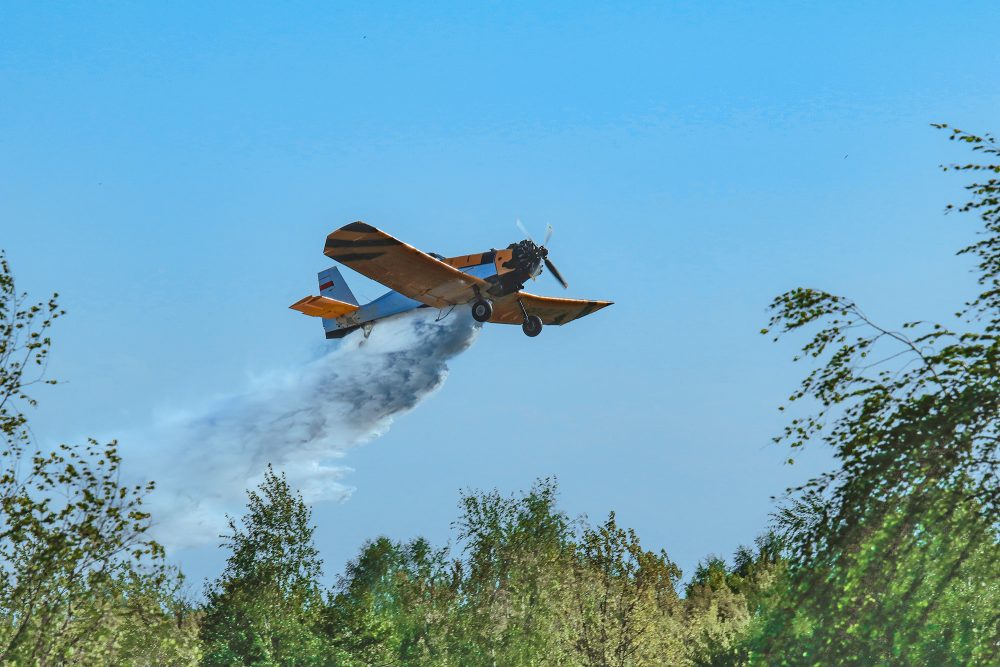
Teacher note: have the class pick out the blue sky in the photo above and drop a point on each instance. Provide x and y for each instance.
(172, 170)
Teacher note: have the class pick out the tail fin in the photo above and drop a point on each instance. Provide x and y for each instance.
(333, 285)
(335, 302)
(336, 299)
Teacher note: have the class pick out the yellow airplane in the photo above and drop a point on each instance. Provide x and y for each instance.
(492, 282)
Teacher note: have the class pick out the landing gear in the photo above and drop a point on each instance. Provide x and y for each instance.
(532, 326)
(482, 310)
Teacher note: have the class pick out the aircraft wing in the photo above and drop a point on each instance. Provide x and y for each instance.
(552, 310)
(401, 267)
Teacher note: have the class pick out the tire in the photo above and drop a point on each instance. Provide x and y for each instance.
(532, 326)
(482, 310)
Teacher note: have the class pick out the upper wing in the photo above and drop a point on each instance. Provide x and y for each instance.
(399, 266)
(552, 310)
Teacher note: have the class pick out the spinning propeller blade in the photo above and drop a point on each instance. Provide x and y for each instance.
(555, 273)
(524, 231)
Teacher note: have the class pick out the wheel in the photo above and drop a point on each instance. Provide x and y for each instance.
(532, 326)
(482, 310)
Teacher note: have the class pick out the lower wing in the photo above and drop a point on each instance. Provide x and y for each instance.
(552, 310)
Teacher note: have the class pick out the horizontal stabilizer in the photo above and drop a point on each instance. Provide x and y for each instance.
(323, 306)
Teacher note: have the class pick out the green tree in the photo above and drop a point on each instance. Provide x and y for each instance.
(517, 578)
(723, 604)
(535, 588)
(72, 536)
(154, 623)
(396, 605)
(628, 610)
(266, 608)
(894, 554)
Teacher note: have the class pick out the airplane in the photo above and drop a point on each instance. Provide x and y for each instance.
(492, 282)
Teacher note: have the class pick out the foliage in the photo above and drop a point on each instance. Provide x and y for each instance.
(266, 607)
(533, 587)
(722, 603)
(627, 600)
(153, 623)
(894, 554)
(517, 569)
(396, 604)
(73, 551)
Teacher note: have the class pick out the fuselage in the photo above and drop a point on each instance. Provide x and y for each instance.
(511, 267)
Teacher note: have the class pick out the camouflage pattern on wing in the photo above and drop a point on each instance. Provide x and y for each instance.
(552, 310)
(400, 267)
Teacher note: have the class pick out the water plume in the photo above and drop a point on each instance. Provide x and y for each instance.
(300, 420)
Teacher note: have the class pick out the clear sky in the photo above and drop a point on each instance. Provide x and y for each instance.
(172, 170)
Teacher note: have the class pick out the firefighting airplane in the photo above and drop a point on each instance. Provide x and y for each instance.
(491, 281)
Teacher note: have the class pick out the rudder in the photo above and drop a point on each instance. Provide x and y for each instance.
(333, 285)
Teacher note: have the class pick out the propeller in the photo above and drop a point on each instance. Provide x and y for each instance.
(524, 231)
(555, 273)
(543, 253)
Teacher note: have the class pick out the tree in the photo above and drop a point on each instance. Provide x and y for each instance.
(894, 555)
(396, 605)
(629, 612)
(723, 604)
(516, 587)
(71, 534)
(266, 607)
(154, 624)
